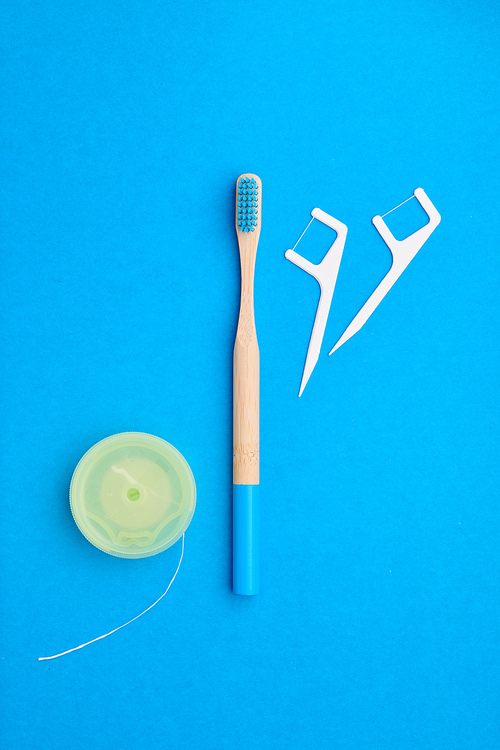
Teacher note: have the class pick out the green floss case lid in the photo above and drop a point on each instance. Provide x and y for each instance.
(132, 495)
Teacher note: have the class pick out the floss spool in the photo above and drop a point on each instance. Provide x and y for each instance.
(132, 495)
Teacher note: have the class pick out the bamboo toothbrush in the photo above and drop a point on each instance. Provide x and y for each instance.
(246, 396)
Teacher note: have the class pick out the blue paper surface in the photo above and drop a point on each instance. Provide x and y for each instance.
(125, 126)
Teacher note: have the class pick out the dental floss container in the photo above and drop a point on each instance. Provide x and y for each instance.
(132, 495)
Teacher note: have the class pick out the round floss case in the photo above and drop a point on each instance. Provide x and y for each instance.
(132, 495)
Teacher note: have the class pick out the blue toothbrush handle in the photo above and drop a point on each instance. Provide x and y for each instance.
(246, 539)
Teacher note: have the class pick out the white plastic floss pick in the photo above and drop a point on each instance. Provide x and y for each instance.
(325, 274)
(403, 252)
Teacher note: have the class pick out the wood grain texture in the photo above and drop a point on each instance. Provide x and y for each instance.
(246, 362)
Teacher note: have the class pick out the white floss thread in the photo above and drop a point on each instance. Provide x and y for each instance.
(56, 656)
(303, 233)
(395, 207)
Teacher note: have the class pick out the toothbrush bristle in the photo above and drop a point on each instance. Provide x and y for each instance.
(248, 204)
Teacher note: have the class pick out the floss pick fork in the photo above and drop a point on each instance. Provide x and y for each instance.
(325, 274)
(403, 252)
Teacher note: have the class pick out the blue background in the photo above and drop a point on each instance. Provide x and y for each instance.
(125, 126)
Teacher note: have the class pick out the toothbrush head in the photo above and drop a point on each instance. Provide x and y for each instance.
(247, 203)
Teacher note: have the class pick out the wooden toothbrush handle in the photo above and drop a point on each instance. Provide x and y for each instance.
(246, 407)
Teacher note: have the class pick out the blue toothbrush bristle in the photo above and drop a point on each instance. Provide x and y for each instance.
(248, 204)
